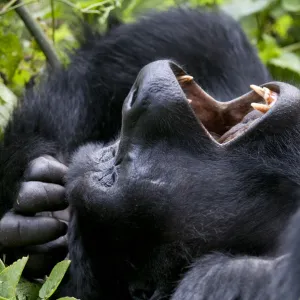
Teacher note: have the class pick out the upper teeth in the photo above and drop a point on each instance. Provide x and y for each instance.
(269, 96)
(184, 78)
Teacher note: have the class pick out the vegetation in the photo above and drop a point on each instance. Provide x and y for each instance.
(12, 287)
(33, 32)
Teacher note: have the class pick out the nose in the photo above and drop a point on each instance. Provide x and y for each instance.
(156, 106)
(155, 85)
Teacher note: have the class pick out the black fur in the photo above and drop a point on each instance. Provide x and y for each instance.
(220, 276)
(147, 205)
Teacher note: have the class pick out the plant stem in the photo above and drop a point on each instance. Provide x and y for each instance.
(38, 35)
(53, 20)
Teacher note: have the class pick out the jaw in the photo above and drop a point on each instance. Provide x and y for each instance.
(225, 121)
(165, 95)
(166, 106)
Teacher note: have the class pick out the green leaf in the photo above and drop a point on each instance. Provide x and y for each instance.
(2, 266)
(133, 8)
(27, 290)
(10, 277)
(284, 75)
(54, 279)
(10, 54)
(283, 24)
(7, 102)
(239, 9)
(68, 298)
(287, 60)
(204, 2)
(6, 95)
(277, 11)
(268, 48)
(291, 5)
(250, 27)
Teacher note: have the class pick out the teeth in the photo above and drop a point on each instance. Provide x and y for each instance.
(259, 90)
(269, 96)
(261, 107)
(185, 79)
(189, 100)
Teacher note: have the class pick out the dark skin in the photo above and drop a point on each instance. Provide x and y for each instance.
(149, 201)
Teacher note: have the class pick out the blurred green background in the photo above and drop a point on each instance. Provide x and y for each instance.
(273, 26)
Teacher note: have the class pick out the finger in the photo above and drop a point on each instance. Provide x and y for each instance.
(46, 169)
(56, 245)
(62, 215)
(35, 196)
(17, 231)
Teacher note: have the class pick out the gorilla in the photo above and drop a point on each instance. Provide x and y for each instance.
(179, 180)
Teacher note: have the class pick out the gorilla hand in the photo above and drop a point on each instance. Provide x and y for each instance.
(36, 226)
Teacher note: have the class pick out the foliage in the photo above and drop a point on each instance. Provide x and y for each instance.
(7, 102)
(12, 287)
(54, 279)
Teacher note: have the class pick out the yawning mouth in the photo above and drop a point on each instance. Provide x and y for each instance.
(225, 121)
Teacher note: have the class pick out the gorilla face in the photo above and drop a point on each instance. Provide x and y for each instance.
(179, 173)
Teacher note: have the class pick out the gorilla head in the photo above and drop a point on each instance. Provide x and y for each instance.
(177, 182)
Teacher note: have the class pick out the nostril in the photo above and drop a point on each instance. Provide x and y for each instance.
(133, 97)
(176, 69)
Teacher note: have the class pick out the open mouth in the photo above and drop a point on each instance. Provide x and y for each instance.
(225, 121)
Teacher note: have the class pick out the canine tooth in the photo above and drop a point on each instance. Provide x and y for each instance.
(185, 78)
(269, 96)
(260, 107)
(189, 100)
(259, 90)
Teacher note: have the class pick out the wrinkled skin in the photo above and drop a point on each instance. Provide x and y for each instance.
(148, 202)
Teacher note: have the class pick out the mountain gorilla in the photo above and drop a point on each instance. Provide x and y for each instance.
(170, 179)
